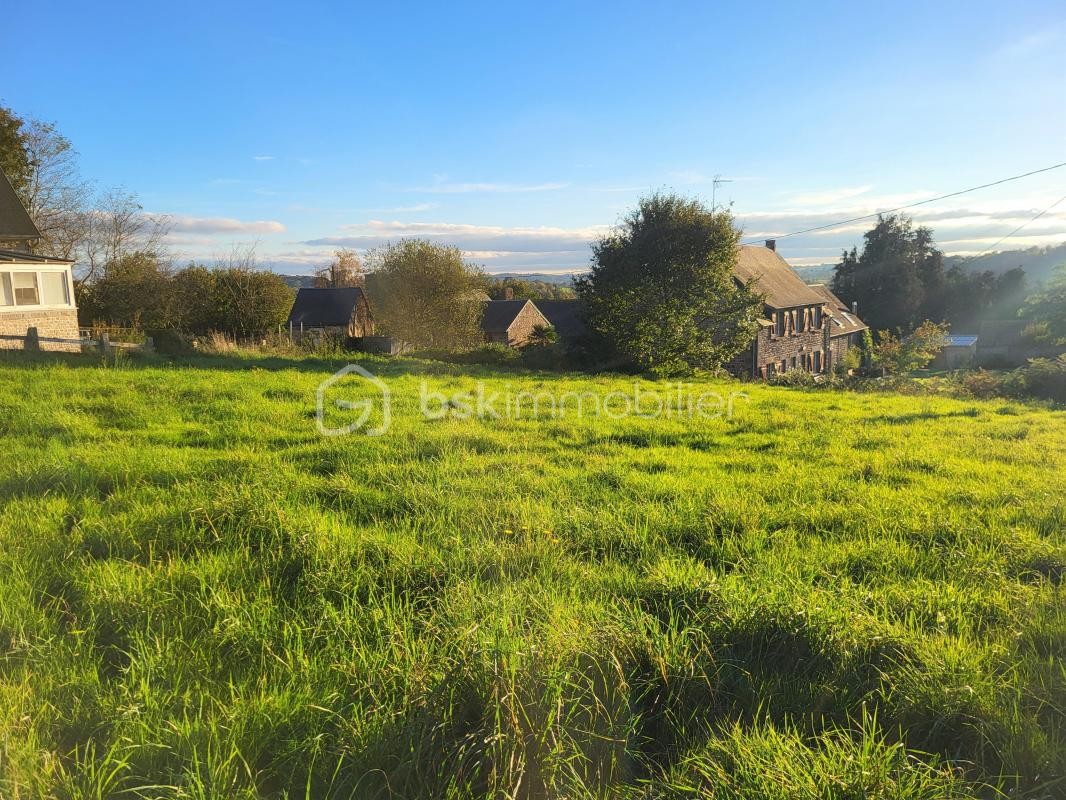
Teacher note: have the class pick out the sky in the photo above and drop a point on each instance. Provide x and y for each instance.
(522, 132)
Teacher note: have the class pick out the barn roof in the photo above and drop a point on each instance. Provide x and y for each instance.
(15, 222)
(500, 314)
(564, 315)
(843, 320)
(773, 277)
(324, 308)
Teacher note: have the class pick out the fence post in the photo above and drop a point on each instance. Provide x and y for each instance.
(33, 339)
(104, 342)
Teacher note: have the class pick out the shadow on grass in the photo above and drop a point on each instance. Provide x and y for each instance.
(380, 366)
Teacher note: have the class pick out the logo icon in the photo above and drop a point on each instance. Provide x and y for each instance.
(371, 385)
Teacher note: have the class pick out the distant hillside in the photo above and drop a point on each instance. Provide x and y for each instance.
(563, 279)
(818, 273)
(299, 281)
(1038, 262)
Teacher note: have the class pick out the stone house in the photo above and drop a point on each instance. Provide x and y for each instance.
(36, 292)
(511, 322)
(845, 329)
(797, 325)
(335, 311)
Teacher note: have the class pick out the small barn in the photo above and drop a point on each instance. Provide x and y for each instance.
(959, 352)
(511, 322)
(338, 311)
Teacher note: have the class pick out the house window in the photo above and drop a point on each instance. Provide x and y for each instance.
(793, 362)
(25, 286)
(817, 362)
(54, 289)
(818, 318)
(779, 323)
(7, 298)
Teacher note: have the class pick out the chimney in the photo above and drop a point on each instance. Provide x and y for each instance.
(508, 293)
(855, 307)
(771, 244)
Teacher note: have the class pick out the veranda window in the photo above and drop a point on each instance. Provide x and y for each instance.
(25, 286)
(54, 289)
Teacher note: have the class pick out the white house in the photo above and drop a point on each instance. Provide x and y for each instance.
(36, 292)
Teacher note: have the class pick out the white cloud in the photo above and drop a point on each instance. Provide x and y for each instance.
(531, 249)
(180, 224)
(263, 158)
(468, 237)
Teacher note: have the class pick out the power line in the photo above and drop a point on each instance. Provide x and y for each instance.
(919, 203)
(1023, 225)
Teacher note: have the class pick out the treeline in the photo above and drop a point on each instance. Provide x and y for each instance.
(899, 280)
(527, 289)
(139, 290)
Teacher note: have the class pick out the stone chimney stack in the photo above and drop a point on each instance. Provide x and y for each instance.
(771, 244)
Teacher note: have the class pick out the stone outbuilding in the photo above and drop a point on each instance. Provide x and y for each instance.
(511, 322)
(338, 311)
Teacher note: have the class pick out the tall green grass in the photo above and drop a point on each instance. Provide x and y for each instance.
(828, 595)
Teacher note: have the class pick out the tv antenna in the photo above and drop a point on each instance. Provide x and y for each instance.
(717, 181)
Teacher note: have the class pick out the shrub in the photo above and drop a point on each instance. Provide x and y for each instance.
(170, 342)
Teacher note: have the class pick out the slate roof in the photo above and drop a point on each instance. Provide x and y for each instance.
(843, 321)
(500, 314)
(15, 222)
(774, 278)
(324, 308)
(564, 316)
(954, 340)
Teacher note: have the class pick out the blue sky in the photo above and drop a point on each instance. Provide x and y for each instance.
(519, 132)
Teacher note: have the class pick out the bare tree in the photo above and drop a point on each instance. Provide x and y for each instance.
(116, 227)
(344, 270)
(55, 194)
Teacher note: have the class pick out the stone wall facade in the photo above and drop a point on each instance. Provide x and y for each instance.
(771, 353)
(519, 332)
(56, 323)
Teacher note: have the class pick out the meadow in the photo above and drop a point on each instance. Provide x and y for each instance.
(824, 595)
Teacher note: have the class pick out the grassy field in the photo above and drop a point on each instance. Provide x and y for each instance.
(827, 595)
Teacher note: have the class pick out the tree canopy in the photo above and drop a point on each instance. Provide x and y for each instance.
(425, 295)
(661, 291)
(899, 280)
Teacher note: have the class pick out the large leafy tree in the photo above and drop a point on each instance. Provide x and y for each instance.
(898, 279)
(1047, 307)
(425, 295)
(661, 292)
